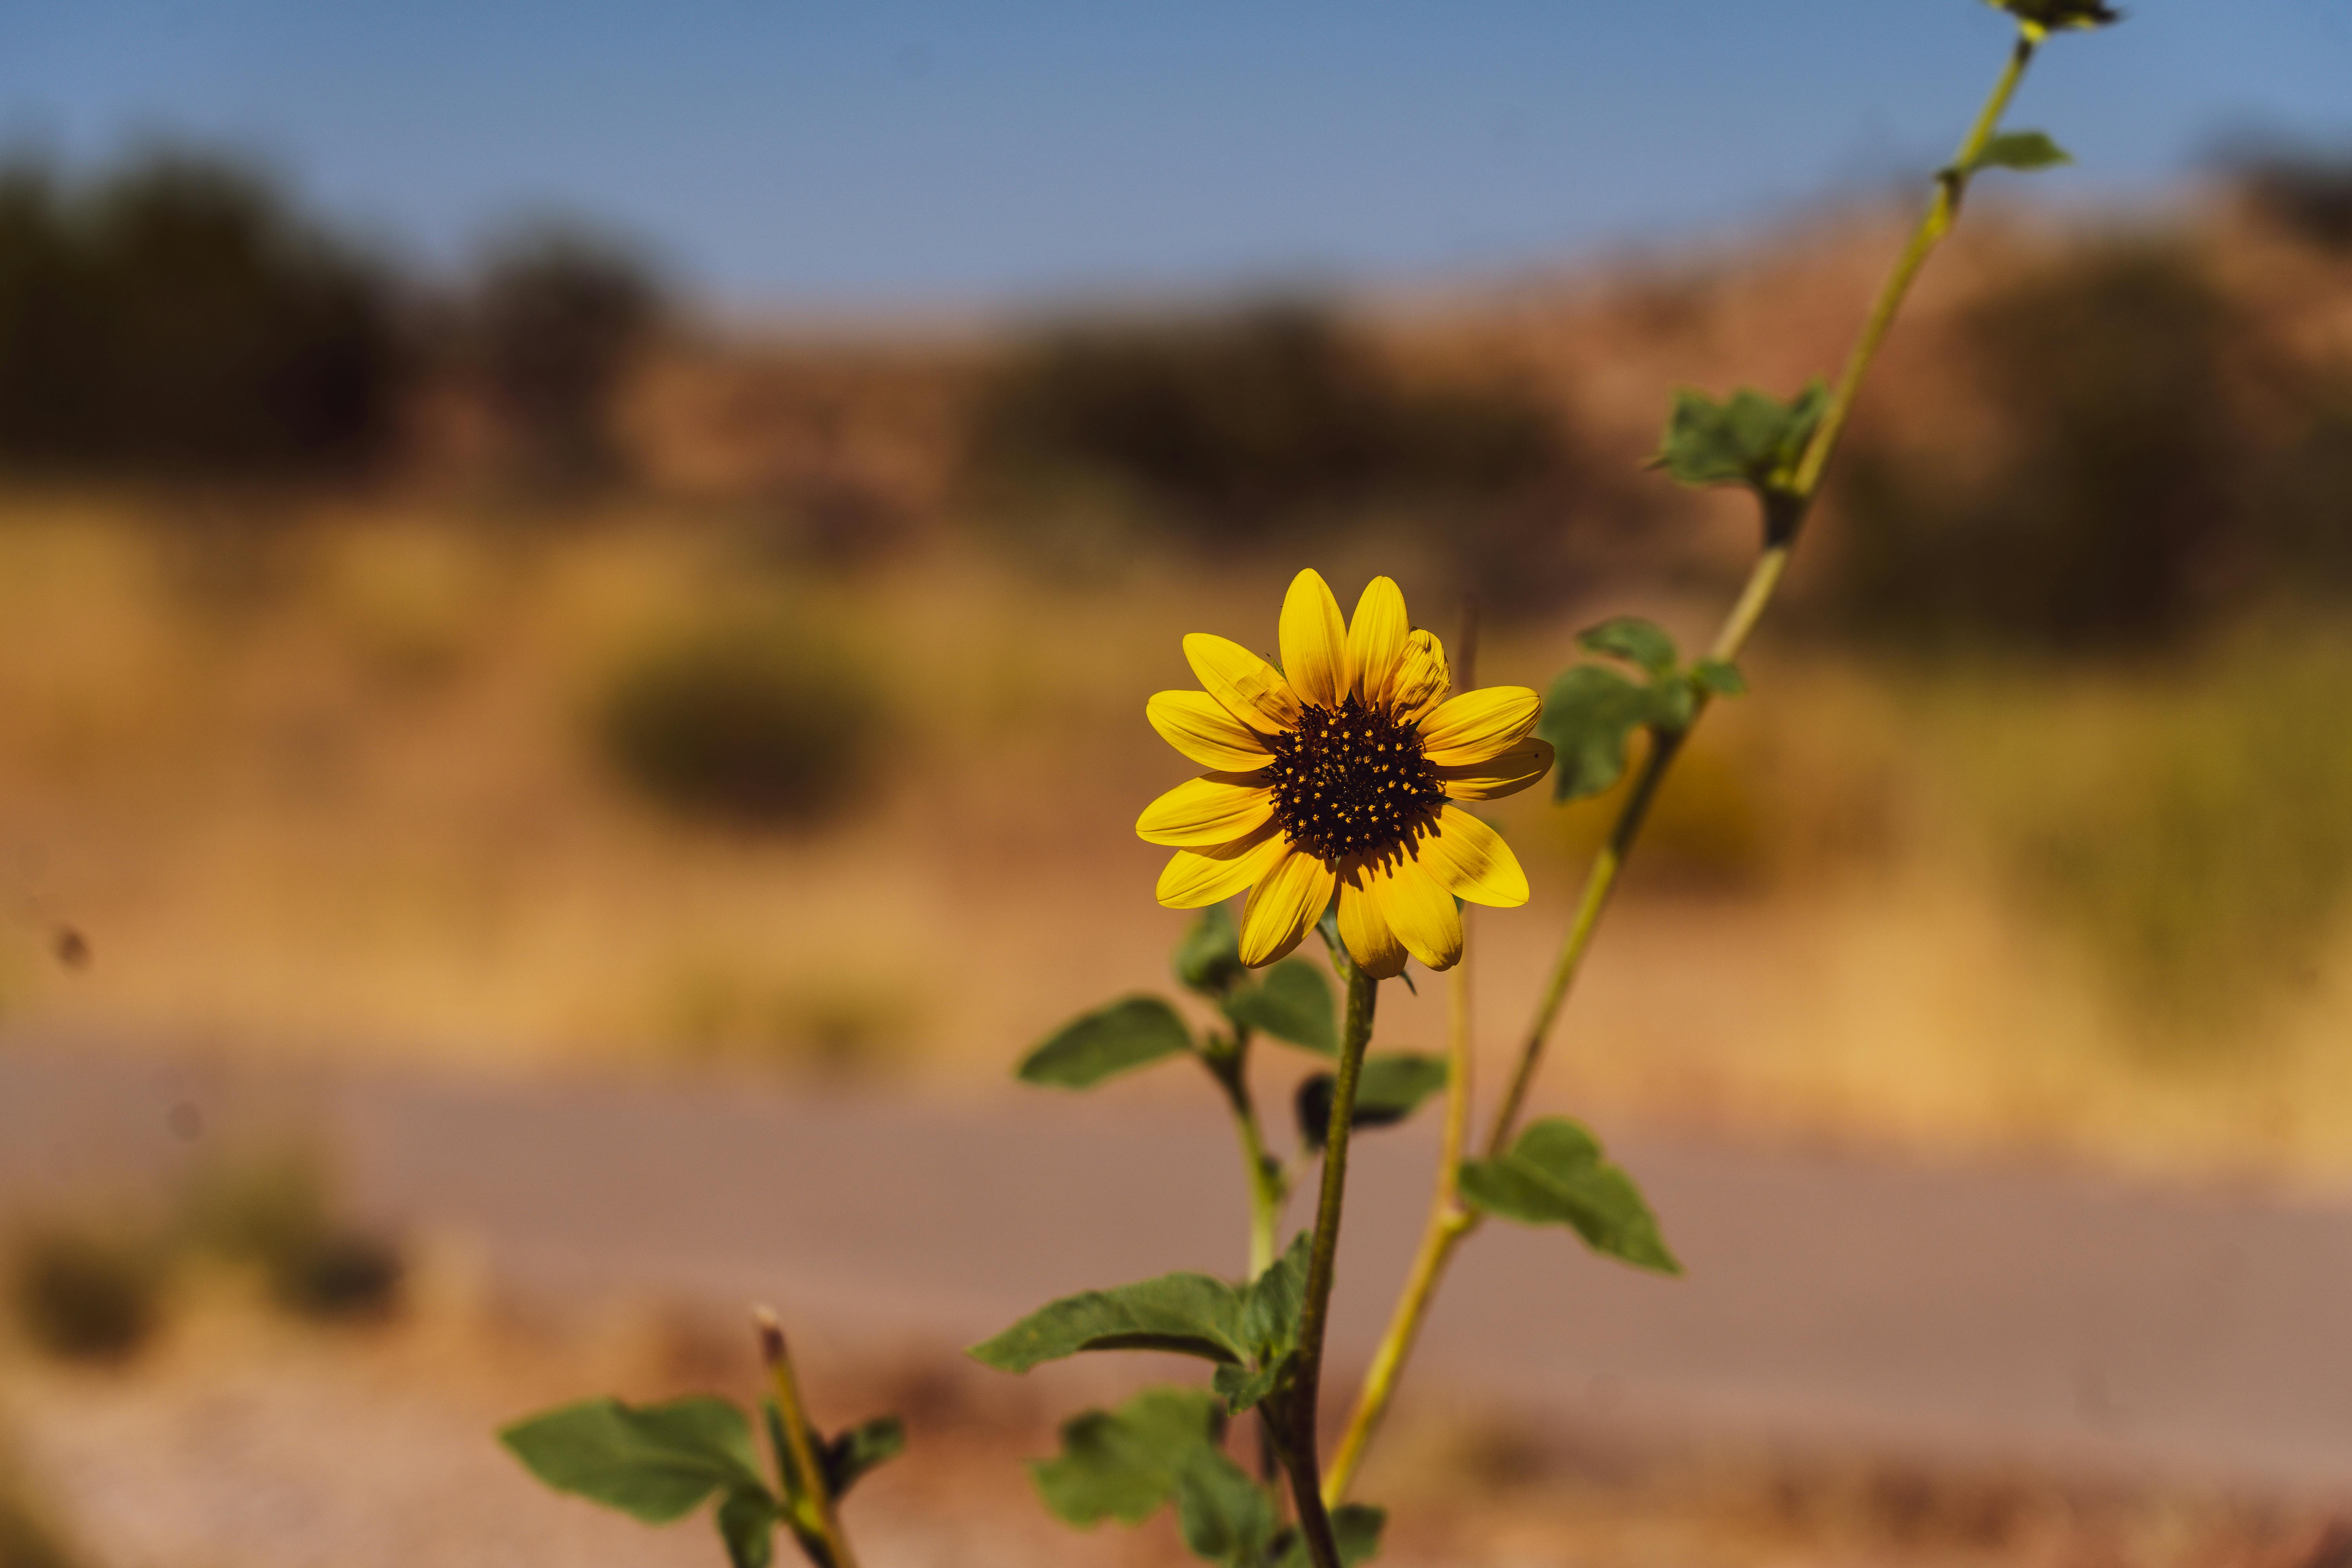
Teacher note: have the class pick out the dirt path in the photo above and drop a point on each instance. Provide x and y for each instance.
(1962, 1312)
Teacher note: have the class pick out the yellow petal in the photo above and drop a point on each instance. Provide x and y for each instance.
(1418, 910)
(1423, 680)
(1314, 641)
(1362, 928)
(1250, 689)
(1495, 777)
(1292, 898)
(1202, 813)
(1197, 724)
(1479, 725)
(1195, 878)
(1470, 861)
(1376, 638)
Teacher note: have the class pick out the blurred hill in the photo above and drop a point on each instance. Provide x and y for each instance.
(528, 666)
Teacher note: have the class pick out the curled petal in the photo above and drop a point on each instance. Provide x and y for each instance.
(1204, 812)
(1376, 638)
(1314, 641)
(1292, 898)
(1470, 861)
(1197, 724)
(1479, 725)
(1250, 689)
(1495, 777)
(1423, 679)
(1195, 878)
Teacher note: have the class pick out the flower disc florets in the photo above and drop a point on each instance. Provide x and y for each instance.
(1352, 781)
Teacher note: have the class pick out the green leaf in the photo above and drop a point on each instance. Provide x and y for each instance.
(2023, 149)
(747, 1523)
(653, 1462)
(1293, 1003)
(1589, 715)
(1209, 958)
(1270, 1308)
(1355, 1526)
(1556, 1174)
(1632, 640)
(1123, 1465)
(1391, 1088)
(1225, 1516)
(1106, 1042)
(859, 1449)
(1750, 439)
(1720, 677)
(1189, 1314)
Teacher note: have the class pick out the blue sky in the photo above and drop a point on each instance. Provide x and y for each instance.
(817, 154)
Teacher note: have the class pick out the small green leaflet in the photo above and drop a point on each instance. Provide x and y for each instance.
(1751, 438)
(1356, 1527)
(1123, 1464)
(1271, 1305)
(1106, 1042)
(859, 1449)
(1209, 958)
(1391, 1088)
(1225, 1517)
(747, 1524)
(1636, 641)
(1191, 1314)
(1592, 709)
(654, 1462)
(2023, 149)
(1556, 1174)
(1293, 1003)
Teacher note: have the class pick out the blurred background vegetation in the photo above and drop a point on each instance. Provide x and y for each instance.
(528, 659)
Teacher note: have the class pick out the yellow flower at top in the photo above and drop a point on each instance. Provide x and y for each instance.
(1340, 776)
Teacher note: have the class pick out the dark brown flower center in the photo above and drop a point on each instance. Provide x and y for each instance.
(1351, 780)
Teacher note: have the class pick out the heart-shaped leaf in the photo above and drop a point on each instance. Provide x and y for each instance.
(1293, 1003)
(1556, 1174)
(1189, 1314)
(654, 1462)
(1390, 1088)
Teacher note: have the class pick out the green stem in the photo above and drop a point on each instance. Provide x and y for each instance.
(813, 1512)
(1447, 1226)
(1306, 1382)
(1266, 1187)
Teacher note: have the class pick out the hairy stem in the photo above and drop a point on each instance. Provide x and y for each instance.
(1447, 1223)
(1306, 1388)
(814, 1510)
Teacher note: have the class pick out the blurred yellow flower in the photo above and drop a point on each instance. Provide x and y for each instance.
(1340, 776)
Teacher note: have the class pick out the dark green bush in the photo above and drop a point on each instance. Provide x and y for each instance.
(751, 722)
(176, 318)
(1237, 428)
(558, 317)
(86, 1293)
(2115, 514)
(274, 1211)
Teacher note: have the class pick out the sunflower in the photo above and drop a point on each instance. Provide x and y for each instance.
(1340, 776)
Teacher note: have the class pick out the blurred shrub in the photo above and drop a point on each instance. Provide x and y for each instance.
(87, 1292)
(2308, 196)
(556, 321)
(176, 318)
(2191, 836)
(274, 1211)
(1229, 430)
(2112, 515)
(753, 722)
(844, 1027)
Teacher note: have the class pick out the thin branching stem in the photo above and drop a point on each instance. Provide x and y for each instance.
(814, 1508)
(1307, 1382)
(1448, 1228)
(1267, 1189)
